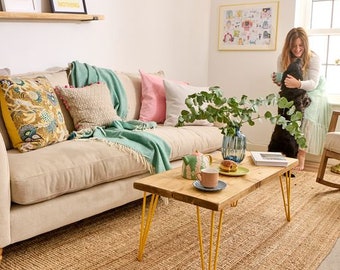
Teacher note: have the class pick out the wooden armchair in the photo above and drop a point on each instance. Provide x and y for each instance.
(331, 150)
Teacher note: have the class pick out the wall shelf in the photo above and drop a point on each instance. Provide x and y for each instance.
(48, 16)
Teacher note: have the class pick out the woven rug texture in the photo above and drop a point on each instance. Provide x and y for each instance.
(255, 234)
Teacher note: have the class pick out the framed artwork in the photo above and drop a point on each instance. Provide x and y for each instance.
(248, 26)
(68, 6)
(18, 5)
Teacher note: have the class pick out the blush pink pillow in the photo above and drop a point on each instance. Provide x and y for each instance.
(153, 105)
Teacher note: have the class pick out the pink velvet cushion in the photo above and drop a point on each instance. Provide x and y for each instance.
(153, 98)
(153, 105)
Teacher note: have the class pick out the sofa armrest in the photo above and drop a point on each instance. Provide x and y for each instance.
(5, 196)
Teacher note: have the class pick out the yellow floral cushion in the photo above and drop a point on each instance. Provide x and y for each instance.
(31, 112)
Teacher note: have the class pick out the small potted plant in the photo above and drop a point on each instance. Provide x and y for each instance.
(231, 114)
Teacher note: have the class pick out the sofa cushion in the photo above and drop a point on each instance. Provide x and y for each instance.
(56, 76)
(131, 83)
(67, 167)
(187, 139)
(3, 130)
(79, 164)
(175, 101)
(5, 71)
(153, 106)
(89, 106)
(31, 112)
(153, 98)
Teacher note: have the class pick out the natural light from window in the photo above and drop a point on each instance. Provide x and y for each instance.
(324, 36)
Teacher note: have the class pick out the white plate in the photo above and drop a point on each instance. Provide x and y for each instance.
(221, 185)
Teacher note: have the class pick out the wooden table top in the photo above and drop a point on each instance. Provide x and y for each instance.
(171, 184)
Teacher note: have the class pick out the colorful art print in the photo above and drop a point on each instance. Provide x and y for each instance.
(248, 26)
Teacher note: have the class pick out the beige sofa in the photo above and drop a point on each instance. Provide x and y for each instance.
(59, 184)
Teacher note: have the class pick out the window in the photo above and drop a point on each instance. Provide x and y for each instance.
(323, 28)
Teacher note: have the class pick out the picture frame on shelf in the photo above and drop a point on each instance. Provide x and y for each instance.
(18, 5)
(68, 6)
(248, 26)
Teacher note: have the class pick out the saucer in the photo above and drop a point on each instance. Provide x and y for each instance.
(240, 171)
(221, 185)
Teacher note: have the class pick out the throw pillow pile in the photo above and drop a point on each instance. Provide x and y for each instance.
(163, 100)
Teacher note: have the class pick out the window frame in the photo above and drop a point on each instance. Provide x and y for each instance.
(334, 98)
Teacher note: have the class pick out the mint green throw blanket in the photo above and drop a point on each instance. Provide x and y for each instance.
(154, 149)
(129, 136)
(84, 74)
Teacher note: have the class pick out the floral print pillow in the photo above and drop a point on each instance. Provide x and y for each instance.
(31, 112)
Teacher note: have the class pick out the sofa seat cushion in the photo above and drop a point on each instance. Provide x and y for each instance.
(67, 167)
(187, 139)
(75, 165)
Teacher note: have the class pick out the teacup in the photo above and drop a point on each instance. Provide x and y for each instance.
(208, 177)
(277, 76)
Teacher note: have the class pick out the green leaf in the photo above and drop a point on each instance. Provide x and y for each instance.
(233, 112)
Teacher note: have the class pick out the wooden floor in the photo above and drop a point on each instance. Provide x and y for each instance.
(311, 166)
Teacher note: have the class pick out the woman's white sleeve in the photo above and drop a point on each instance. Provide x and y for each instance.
(313, 74)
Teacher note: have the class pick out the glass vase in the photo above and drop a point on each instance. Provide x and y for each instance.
(234, 147)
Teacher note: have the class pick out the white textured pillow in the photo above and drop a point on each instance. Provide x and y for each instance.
(5, 72)
(175, 95)
(89, 106)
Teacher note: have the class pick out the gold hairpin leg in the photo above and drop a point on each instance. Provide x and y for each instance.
(234, 204)
(145, 228)
(218, 237)
(285, 190)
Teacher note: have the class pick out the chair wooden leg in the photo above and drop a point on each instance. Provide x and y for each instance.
(322, 169)
(1, 249)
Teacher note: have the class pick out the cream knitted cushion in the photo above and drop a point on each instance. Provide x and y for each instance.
(89, 106)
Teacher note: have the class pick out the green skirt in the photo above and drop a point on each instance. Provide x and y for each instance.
(316, 119)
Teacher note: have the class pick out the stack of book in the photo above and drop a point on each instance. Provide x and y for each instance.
(269, 159)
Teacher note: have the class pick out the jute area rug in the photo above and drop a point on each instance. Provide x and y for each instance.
(255, 235)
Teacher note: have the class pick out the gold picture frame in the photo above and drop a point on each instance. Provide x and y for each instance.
(248, 26)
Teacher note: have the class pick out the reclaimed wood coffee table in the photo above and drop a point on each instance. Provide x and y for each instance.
(171, 184)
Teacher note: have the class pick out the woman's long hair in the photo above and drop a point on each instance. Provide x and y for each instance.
(287, 56)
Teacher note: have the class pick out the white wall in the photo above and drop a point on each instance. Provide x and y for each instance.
(248, 72)
(152, 34)
(179, 37)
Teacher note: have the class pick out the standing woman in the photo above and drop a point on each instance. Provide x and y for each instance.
(317, 115)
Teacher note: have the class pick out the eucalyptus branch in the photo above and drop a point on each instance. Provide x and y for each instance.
(232, 113)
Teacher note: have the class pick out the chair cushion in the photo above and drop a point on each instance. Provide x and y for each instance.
(332, 142)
